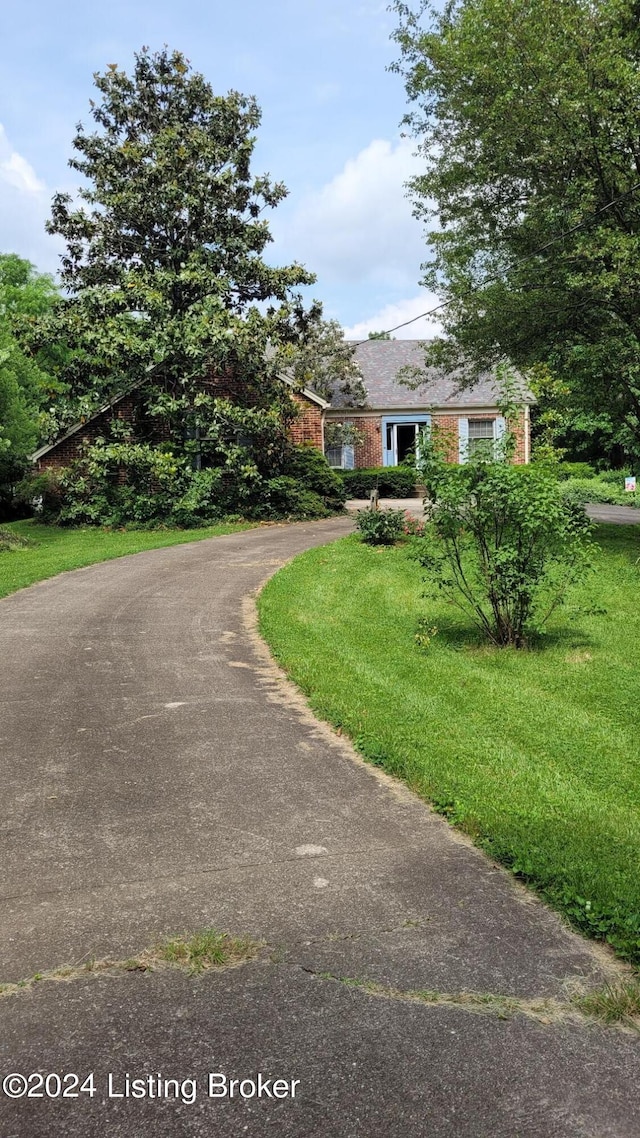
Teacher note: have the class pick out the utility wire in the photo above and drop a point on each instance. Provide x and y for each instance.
(133, 242)
(521, 260)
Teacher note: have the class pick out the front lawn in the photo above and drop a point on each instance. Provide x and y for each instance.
(535, 754)
(53, 549)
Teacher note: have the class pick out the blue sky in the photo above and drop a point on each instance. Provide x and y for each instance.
(330, 129)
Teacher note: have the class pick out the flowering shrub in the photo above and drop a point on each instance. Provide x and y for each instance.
(413, 527)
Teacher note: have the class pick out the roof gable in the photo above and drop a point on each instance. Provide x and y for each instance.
(305, 393)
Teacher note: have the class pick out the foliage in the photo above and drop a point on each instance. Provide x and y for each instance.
(18, 432)
(578, 470)
(310, 468)
(580, 491)
(343, 434)
(380, 336)
(164, 265)
(317, 355)
(533, 754)
(41, 494)
(525, 116)
(121, 482)
(25, 381)
(390, 481)
(502, 542)
(169, 295)
(413, 527)
(562, 424)
(381, 527)
(10, 540)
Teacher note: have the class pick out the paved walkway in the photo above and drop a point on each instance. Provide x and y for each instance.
(160, 775)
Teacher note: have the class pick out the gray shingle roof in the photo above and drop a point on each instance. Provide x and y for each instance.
(381, 360)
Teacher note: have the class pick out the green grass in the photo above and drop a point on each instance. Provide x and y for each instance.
(535, 754)
(54, 549)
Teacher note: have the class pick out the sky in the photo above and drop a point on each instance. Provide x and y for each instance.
(331, 114)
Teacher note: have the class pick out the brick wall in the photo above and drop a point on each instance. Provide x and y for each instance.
(68, 450)
(369, 453)
(448, 424)
(307, 428)
(520, 428)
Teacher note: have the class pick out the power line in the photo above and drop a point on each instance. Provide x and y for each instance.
(125, 239)
(521, 260)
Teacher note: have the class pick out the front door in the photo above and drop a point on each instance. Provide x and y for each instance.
(400, 438)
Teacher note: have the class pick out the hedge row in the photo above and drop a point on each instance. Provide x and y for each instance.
(390, 481)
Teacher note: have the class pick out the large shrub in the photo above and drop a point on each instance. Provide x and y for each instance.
(502, 543)
(312, 471)
(389, 481)
(126, 483)
(608, 491)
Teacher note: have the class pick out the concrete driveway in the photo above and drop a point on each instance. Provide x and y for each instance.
(160, 775)
(620, 515)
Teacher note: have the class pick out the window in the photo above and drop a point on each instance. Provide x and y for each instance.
(481, 436)
(340, 457)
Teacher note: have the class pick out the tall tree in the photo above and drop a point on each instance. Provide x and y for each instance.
(27, 381)
(526, 115)
(164, 265)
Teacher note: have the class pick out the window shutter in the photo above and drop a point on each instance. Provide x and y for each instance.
(500, 428)
(463, 440)
(348, 457)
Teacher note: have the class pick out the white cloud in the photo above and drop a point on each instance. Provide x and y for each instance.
(359, 226)
(393, 314)
(24, 206)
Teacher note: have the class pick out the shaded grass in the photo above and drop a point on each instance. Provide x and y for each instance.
(49, 550)
(535, 754)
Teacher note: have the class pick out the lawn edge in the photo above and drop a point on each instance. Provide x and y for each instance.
(526, 889)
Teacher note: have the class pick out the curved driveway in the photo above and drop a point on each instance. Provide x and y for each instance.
(159, 775)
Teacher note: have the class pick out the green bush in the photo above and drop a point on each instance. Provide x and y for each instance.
(502, 543)
(612, 477)
(285, 497)
(390, 481)
(581, 491)
(42, 494)
(125, 483)
(381, 527)
(575, 470)
(201, 502)
(312, 471)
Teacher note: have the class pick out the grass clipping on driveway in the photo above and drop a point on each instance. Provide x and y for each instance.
(535, 754)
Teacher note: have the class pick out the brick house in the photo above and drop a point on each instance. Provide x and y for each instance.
(129, 407)
(395, 413)
(390, 421)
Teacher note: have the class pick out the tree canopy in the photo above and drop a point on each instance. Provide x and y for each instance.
(164, 265)
(26, 382)
(526, 116)
(167, 285)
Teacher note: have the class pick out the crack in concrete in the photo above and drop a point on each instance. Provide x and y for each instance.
(210, 871)
(177, 953)
(182, 954)
(548, 1011)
